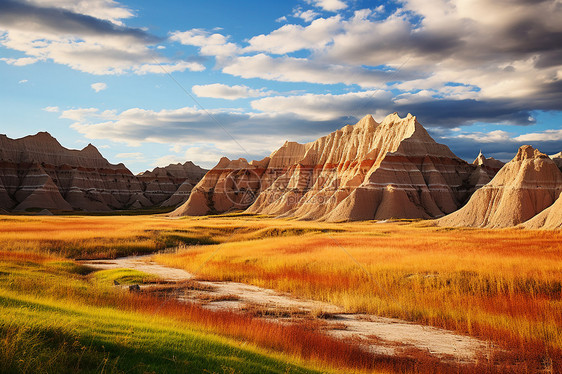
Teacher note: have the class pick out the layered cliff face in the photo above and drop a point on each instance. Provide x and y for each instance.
(170, 185)
(235, 184)
(524, 187)
(38, 172)
(370, 170)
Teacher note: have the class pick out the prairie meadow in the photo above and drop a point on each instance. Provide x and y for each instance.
(502, 286)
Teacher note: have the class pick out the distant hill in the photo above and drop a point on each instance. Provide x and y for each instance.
(37, 172)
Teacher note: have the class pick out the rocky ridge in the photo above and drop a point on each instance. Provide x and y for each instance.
(37, 172)
(370, 170)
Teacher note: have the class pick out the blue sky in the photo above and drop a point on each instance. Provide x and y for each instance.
(151, 83)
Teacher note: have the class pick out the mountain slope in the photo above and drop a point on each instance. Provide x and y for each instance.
(524, 187)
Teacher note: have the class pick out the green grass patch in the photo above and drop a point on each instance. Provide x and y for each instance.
(55, 320)
(48, 336)
(123, 276)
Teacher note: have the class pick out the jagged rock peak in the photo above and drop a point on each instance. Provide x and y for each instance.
(528, 152)
(368, 170)
(490, 162)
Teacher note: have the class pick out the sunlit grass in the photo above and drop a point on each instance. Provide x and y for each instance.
(499, 285)
(54, 317)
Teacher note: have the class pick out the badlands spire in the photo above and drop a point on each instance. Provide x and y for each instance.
(369, 170)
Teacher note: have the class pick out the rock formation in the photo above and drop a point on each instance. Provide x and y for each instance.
(524, 187)
(370, 170)
(234, 185)
(170, 185)
(557, 158)
(550, 218)
(37, 172)
(486, 169)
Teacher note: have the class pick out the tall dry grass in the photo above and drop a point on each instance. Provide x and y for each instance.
(501, 285)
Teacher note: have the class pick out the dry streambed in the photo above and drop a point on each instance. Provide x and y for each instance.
(380, 335)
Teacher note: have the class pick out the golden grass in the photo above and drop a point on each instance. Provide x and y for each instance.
(501, 285)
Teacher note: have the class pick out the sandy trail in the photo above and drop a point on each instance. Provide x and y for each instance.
(380, 335)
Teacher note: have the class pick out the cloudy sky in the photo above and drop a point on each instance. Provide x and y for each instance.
(154, 82)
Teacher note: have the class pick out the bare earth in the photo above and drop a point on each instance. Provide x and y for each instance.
(387, 336)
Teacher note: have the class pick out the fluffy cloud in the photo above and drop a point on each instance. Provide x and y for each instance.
(51, 109)
(479, 54)
(291, 38)
(223, 91)
(306, 15)
(326, 107)
(211, 44)
(100, 86)
(545, 136)
(329, 5)
(23, 61)
(293, 69)
(85, 35)
(490, 137)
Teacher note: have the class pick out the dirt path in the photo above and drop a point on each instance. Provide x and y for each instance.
(378, 334)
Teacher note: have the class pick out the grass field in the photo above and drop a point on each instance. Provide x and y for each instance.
(55, 317)
(504, 286)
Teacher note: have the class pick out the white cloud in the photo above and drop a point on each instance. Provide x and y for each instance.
(23, 81)
(223, 91)
(293, 69)
(290, 38)
(211, 44)
(545, 136)
(326, 107)
(328, 5)
(100, 86)
(490, 137)
(168, 68)
(503, 136)
(83, 114)
(228, 130)
(85, 35)
(103, 9)
(281, 19)
(306, 15)
(52, 109)
(23, 61)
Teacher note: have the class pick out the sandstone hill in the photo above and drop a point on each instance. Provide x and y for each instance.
(234, 185)
(38, 172)
(524, 187)
(370, 170)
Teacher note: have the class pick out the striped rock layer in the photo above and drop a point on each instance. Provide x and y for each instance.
(370, 170)
(38, 172)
